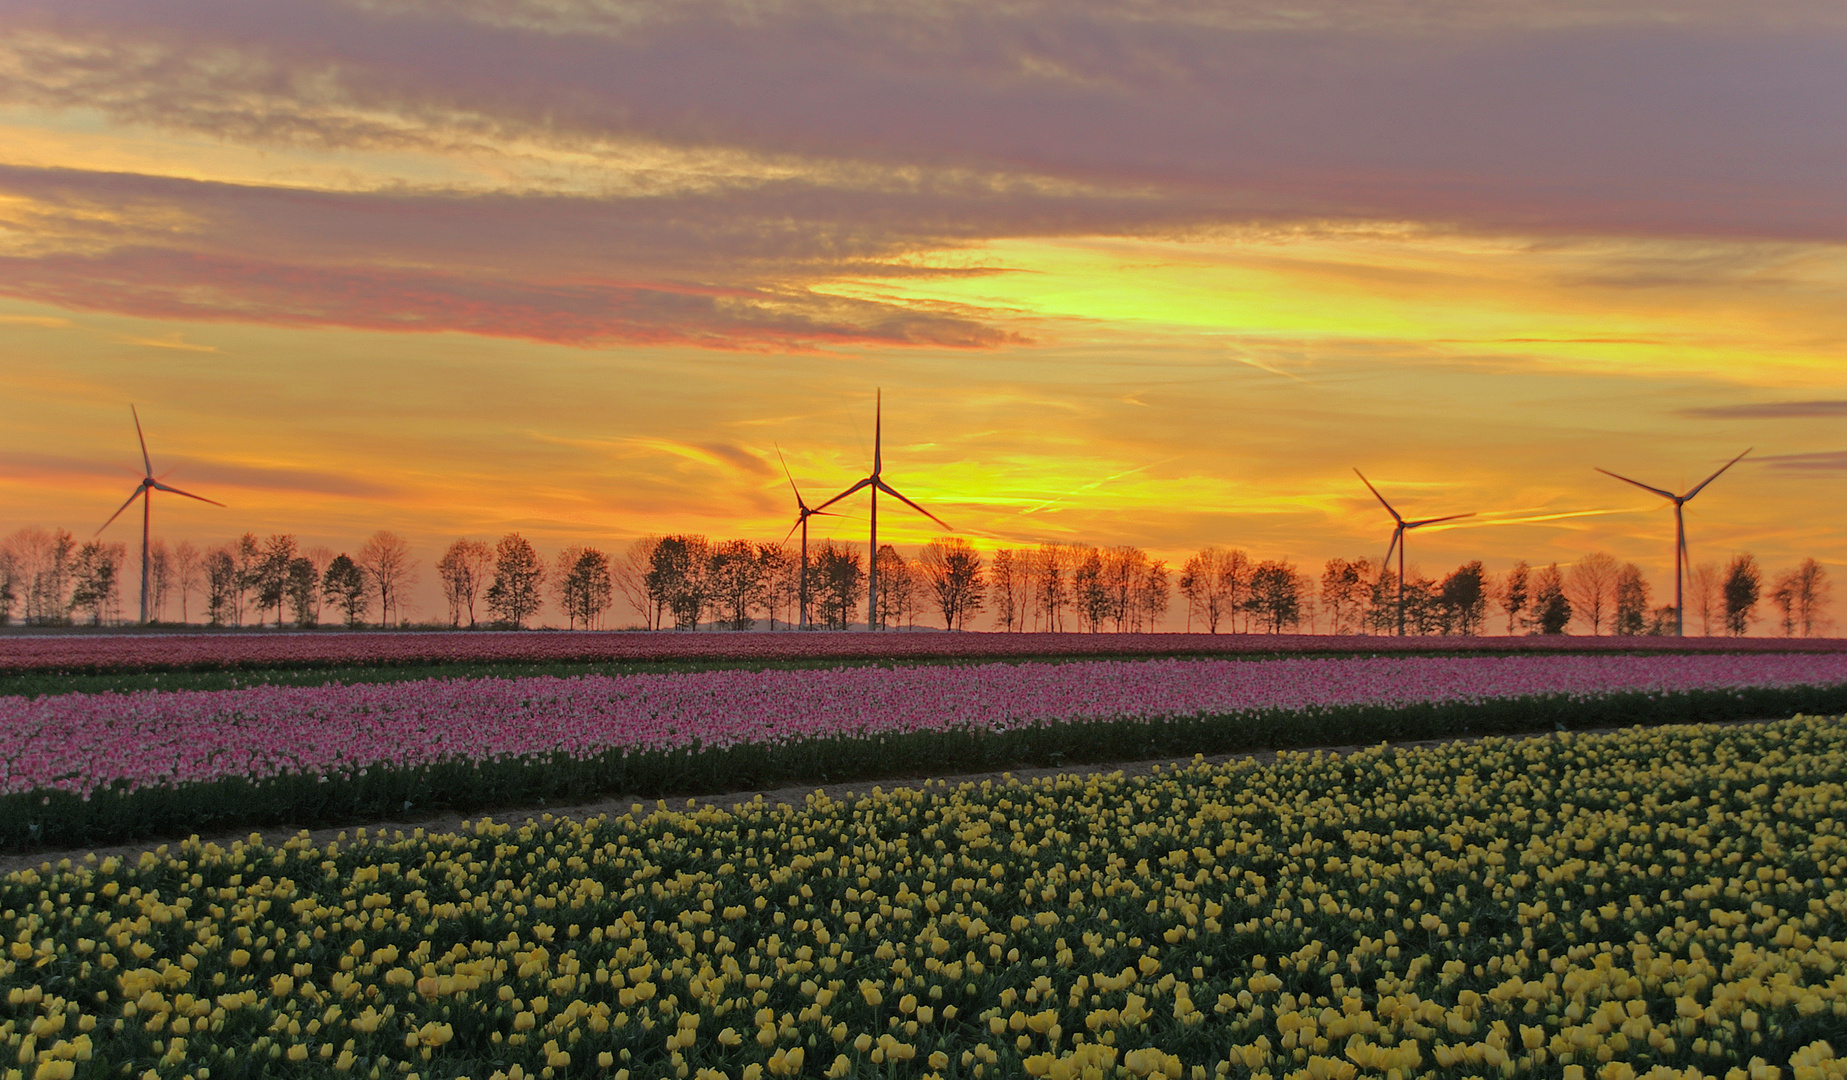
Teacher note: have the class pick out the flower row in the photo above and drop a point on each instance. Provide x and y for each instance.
(188, 652)
(80, 743)
(1661, 902)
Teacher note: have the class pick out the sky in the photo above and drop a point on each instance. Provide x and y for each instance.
(1151, 272)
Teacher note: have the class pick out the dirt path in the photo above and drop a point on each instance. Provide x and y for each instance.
(621, 804)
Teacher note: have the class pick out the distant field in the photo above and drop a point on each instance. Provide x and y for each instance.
(86, 654)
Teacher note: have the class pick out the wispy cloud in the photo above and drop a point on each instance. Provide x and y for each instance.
(1769, 410)
(1825, 461)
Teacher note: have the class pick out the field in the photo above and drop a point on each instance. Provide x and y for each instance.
(1663, 900)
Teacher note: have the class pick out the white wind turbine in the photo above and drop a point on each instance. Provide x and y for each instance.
(1680, 530)
(1398, 539)
(877, 483)
(144, 491)
(802, 513)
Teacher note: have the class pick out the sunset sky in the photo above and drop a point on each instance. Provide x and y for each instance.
(1157, 272)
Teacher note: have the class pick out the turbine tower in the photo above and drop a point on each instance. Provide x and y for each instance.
(1680, 530)
(877, 483)
(802, 513)
(144, 491)
(1398, 532)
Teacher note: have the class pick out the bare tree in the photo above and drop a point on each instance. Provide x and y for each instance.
(780, 568)
(629, 572)
(952, 570)
(1216, 582)
(1125, 574)
(160, 579)
(187, 565)
(221, 586)
(1089, 591)
(1051, 585)
(1590, 585)
(386, 561)
(463, 571)
(897, 586)
(42, 561)
(1008, 579)
(9, 583)
(1801, 596)
(246, 554)
(1702, 596)
(1344, 585)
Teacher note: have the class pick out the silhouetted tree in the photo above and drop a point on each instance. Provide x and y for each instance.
(1275, 599)
(1551, 607)
(9, 584)
(1215, 583)
(387, 563)
(96, 580)
(678, 577)
(737, 584)
(514, 594)
(221, 587)
(269, 576)
(1051, 586)
(1089, 592)
(1513, 592)
(838, 578)
(247, 555)
(463, 571)
(345, 584)
(1006, 578)
(304, 588)
(1631, 601)
(952, 570)
(582, 586)
(1463, 600)
(1743, 583)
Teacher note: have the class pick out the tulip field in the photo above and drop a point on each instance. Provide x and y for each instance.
(231, 652)
(1661, 902)
(91, 768)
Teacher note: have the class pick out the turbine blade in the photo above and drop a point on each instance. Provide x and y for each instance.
(1433, 521)
(1386, 563)
(792, 528)
(188, 494)
(1714, 476)
(144, 442)
(878, 419)
(792, 487)
(894, 493)
(124, 506)
(1670, 496)
(845, 493)
(1376, 495)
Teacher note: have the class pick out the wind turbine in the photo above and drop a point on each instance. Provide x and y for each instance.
(802, 513)
(1680, 529)
(1398, 532)
(877, 484)
(144, 492)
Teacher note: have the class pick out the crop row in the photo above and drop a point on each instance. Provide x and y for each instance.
(1664, 902)
(87, 768)
(85, 654)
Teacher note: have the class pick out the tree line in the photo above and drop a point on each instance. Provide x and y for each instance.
(686, 581)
